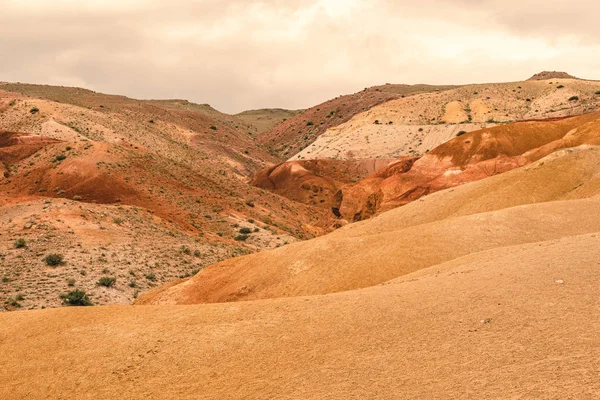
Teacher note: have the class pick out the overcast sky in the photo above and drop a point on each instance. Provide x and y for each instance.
(240, 54)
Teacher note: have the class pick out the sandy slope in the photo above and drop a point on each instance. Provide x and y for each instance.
(516, 322)
(419, 235)
(417, 124)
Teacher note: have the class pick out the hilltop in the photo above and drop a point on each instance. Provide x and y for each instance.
(544, 75)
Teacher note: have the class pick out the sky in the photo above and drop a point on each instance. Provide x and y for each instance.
(238, 54)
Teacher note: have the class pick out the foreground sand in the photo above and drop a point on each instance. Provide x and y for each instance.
(516, 322)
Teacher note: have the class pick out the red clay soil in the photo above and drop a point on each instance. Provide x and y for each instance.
(315, 182)
(467, 158)
(17, 146)
(108, 173)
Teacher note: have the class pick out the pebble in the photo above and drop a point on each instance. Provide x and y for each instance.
(559, 281)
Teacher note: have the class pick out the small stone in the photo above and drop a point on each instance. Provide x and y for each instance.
(559, 281)
(29, 224)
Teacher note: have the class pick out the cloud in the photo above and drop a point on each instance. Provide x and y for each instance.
(239, 55)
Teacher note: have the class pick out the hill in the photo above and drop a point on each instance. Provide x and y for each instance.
(544, 75)
(266, 119)
(82, 171)
(295, 134)
(414, 125)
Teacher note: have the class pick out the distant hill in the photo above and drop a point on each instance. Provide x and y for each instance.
(541, 76)
(265, 119)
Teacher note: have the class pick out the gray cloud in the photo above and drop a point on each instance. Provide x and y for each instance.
(238, 55)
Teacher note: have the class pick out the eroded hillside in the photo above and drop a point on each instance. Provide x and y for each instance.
(175, 164)
(414, 125)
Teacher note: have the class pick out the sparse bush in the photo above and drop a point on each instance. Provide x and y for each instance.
(245, 231)
(461, 133)
(310, 123)
(214, 128)
(560, 86)
(20, 243)
(12, 302)
(241, 238)
(54, 259)
(151, 276)
(186, 250)
(76, 298)
(598, 92)
(71, 282)
(34, 110)
(108, 281)
(250, 203)
(573, 98)
(60, 157)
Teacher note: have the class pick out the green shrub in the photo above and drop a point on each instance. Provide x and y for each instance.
(20, 243)
(108, 281)
(76, 298)
(34, 110)
(573, 98)
(245, 231)
(241, 238)
(54, 259)
(151, 277)
(214, 128)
